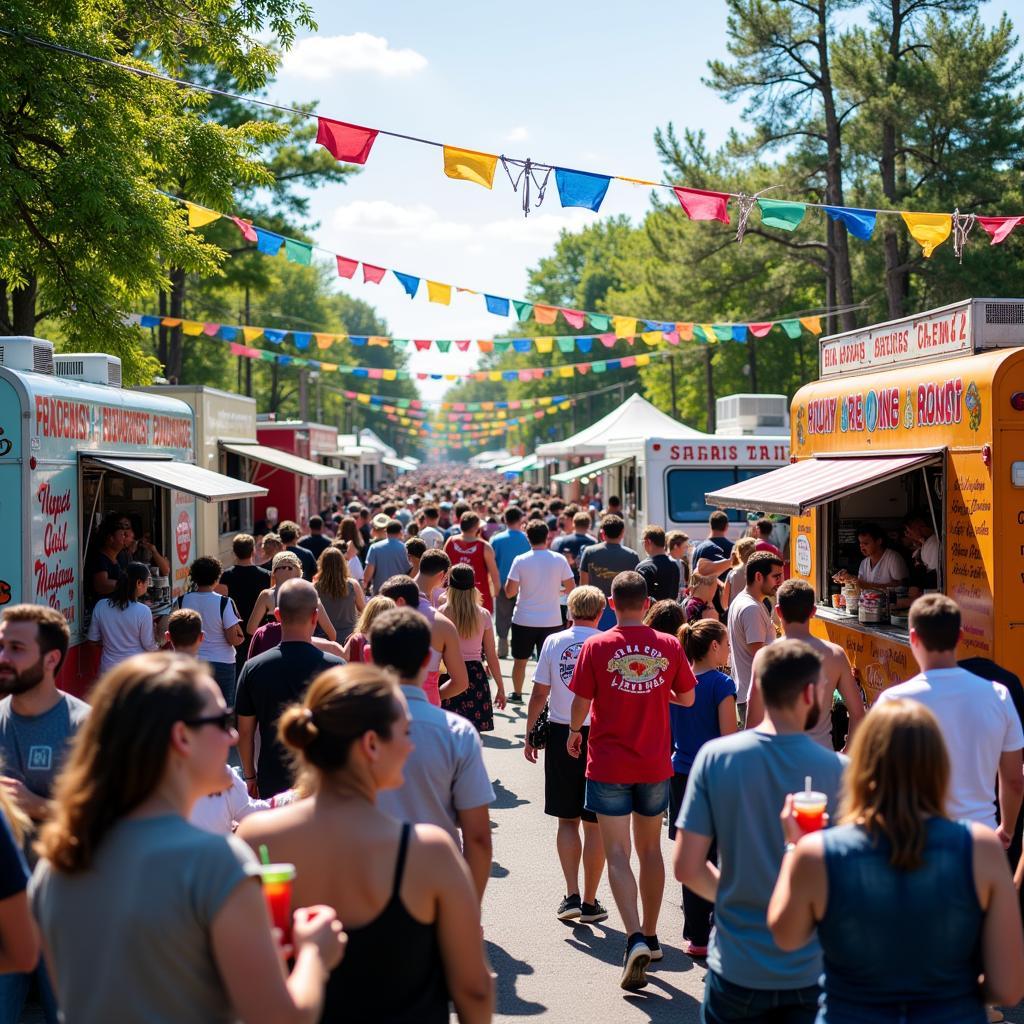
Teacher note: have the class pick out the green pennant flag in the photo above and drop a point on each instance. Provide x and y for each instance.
(792, 328)
(442, 344)
(524, 310)
(600, 321)
(601, 366)
(776, 213)
(403, 403)
(565, 344)
(723, 332)
(699, 334)
(400, 342)
(402, 375)
(473, 407)
(502, 344)
(268, 357)
(298, 252)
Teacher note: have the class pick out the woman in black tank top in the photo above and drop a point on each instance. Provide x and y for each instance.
(351, 735)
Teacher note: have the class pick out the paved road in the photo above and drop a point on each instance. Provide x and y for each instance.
(565, 973)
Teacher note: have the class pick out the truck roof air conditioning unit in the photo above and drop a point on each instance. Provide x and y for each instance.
(21, 352)
(91, 367)
(738, 415)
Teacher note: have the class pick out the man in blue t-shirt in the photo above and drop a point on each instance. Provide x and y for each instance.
(734, 797)
(512, 541)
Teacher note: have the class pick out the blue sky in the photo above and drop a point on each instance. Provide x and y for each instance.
(577, 84)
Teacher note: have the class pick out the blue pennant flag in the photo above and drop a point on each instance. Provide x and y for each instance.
(228, 333)
(510, 375)
(577, 188)
(149, 321)
(860, 223)
(360, 371)
(274, 336)
(739, 332)
(408, 282)
(585, 344)
(302, 338)
(267, 242)
(522, 344)
(284, 360)
(496, 305)
(359, 339)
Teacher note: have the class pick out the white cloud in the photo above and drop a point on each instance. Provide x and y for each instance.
(517, 134)
(421, 222)
(319, 58)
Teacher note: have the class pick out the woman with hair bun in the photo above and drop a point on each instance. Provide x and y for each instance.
(144, 917)
(402, 890)
(713, 714)
(121, 624)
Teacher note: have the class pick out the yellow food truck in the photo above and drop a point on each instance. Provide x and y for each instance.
(917, 421)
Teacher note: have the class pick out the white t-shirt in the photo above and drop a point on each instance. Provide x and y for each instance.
(539, 573)
(215, 646)
(123, 632)
(218, 813)
(891, 568)
(355, 569)
(432, 537)
(930, 553)
(554, 668)
(979, 722)
(749, 623)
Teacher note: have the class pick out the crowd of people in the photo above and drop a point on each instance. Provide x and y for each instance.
(313, 713)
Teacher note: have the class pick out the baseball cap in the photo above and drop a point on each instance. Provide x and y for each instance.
(380, 521)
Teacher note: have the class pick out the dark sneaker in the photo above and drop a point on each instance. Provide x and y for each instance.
(569, 909)
(593, 912)
(655, 947)
(634, 963)
(515, 698)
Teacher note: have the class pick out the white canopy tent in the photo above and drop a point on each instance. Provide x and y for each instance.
(636, 417)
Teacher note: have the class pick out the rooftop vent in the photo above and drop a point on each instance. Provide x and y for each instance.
(20, 352)
(92, 367)
(737, 415)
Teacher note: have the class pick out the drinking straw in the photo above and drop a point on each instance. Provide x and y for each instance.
(265, 853)
(807, 789)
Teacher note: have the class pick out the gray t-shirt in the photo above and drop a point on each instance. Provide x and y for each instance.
(33, 748)
(130, 936)
(603, 562)
(735, 793)
(445, 772)
(749, 623)
(388, 558)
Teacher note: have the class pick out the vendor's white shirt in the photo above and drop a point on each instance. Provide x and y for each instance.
(930, 553)
(220, 812)
(891, 568)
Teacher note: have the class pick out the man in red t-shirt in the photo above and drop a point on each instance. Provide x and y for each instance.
(625, 678)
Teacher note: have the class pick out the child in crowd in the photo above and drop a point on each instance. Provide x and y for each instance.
(185, 631)
(700, 594)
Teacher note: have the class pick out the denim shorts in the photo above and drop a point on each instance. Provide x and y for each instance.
(616, 799)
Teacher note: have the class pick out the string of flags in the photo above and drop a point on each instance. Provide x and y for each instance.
(428, 406)
(354, 143)
(652, 333)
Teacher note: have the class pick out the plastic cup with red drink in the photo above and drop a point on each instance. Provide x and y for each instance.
(277, 889)
(809, 808)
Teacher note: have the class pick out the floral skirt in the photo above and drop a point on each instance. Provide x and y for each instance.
(474, 702)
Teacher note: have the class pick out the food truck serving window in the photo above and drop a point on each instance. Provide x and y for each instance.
(686, 489)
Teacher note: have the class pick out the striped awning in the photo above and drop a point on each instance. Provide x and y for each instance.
(793, 489)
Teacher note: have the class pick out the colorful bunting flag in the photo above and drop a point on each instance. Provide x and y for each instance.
(811, 323)
(792, 328)
(860, 223)
(373, 275)
(468, 165)
(298, 252)
(348, 142)
(496, 305)
(524, 310)
(440, 293)
(624, 326)
(346, 267)
(545, 314)
(600, 321)
(408, 282)
(198, 216)
(578, 188)
(268, 242)
(739, 333)
(245, 226)
(760, 330)
(929, 230)
(777, 213)
(574, 317)
(999, 227)
(701, 205)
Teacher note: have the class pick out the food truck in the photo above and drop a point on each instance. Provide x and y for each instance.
(74, 448)
(922, 416)
(299, 486)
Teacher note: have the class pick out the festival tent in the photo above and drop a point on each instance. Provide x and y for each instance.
(636, 417)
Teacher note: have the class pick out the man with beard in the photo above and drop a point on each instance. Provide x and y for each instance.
(737, 788)
(37, 724)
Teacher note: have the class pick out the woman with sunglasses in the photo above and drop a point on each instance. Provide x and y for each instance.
(144, 917)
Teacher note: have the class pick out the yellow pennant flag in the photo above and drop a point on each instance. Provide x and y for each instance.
(252, 333)
(709, 333)
(324, 340)
(191, 327)
(643, 360)
(564, 371)
(378, 341)
(451, 376)
(363, 399)
(494, 375)
(624, 326)
(929, 230)
(652, 338)
(389, 374)
(173, 321)
(441, 293)
(812, 323)
(565, 405)
(470, 165)
(198, 216)
(545, 400)
(544, 344)
(329, 367)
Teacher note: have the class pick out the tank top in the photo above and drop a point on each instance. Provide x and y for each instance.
(342, 612)
(432, 684)
(366, 986)
(471, 553)
(908, 942)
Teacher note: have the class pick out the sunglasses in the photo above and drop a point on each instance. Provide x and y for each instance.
(225, 720)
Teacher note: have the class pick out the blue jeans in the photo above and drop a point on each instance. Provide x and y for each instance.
(616, 799)
(725, 1003)
(224, 673)
(963, 1010)
(14, 989)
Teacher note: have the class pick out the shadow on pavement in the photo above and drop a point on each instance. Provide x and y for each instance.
(508, 969)
(505, 799)
(498, 742)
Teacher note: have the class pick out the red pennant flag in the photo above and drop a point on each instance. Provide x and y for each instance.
(583, 368)
(348, 142)
(701, 205)
(574, 317)
(628, 361)
(346, 268)
(515, 405)
(462, 346)
(608, 340)
(760, 330)
(422, 344)
(373, 275)
(248, 231)
(999, 227)
(210, 329)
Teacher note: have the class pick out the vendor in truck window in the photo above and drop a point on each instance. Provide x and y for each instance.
(924, 543)
(882, 566)
(104, 569)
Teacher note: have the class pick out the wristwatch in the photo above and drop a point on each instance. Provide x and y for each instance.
(788, 848)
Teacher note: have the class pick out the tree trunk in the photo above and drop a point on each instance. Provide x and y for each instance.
(897, 281)
(5, 311)
(709, 384)
(23, 307)
(275, 387)
(752, 364)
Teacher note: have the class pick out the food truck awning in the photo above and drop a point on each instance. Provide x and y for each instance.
(400, 464)
(793, 489)
(588, 470)
(181, 476)
(283, 460)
